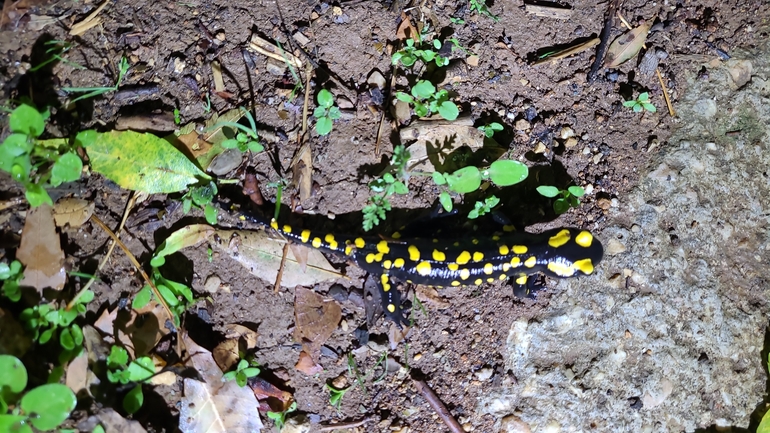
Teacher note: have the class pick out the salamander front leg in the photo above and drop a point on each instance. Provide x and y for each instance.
(527, 286)
(391, 301)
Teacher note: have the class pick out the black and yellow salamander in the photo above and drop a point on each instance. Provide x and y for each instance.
(562, 253)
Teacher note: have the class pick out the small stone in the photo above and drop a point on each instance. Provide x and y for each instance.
(301, 38)
(589, 189)
(484, 374)
(275, 68)
(376, 79)
(524, 82)
(212, 283)
(614, 247)
(521, 125)
(417, 356)
(571, 142)
(540, 148)
(513, 424)
(225, 162)
(340, 382)
(597, 158)
(705, 108)
(740, 72)
(221, 36)
(566, 133)
(603, 203)
(472, 61)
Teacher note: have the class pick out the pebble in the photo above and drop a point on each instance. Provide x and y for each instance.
(566, 132)
(225, 162)
(571, 142)
(484, 374)
(212, 283)
(603, 203)
(540, 148)
(705, 108)
(614, 247)
(522, 125)
(513, 424)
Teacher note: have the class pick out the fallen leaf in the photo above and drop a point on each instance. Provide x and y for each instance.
(72, 211)
(430, 296)
(316, 317)
(137, 330)
(114, 423)
(240, 332)
(406, 27)
(260, 253)
(147, 122)
(186, 236)
(306, 365)
(40, 251)
(226, 354)
(214, 406)
(270, 397)
(77, 373)
(626, 46)
(302, 171)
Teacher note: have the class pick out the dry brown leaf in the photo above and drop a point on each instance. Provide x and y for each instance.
(114, 423)
(240, 332)
(626, 46)
(137, 336)
(270, 397)
(89, 22)
(147, 122)
(316, 317)
(77, 373)
(214, 406)
(306, 365)
(260, 253)
(226, 354)
(72, 211)
(302, 171)
(406, 26)
(40, 251)
(430, 296)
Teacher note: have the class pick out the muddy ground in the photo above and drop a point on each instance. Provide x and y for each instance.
(456, 346)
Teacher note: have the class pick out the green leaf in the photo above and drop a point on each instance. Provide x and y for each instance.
(438, 178)
(507, 172)
(13, 378)
(66, 340)
(630, 103)
(141, 369)
(560, 206)
(37, 195)
(230, 143)
(210, 212)
(66, 169)
(576, 191)
(323, 126)
(51, 403)
(98, 429)
(134, 400)
(334, 113)
(16, 144)
(142, 162)
(446, 201)
(27, 120)
(401, 96)
(400, 188)
(764, 425)
(649, 107)
(548, 191)
(637, 107)
(168, 295)
(14, 423)
(86, 297)
(448, 110)
(325, 98)
(464, 180)
(142, 298)
(423, 89)
(118, 358)
(46, 336)
(319, 112)
(420, 110)
(86, 138)
(251, 371)
(643, 97)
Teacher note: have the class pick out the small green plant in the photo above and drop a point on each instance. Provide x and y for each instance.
(392, 182)
(426, 100)
(458, 21)
(642, 102)
(567, 198)
(336, 395)
(483, 207)
(120, 371)
(56, 49)
(202, 196)
(468, 179)
(326, 112)
(480, 6)
(409, 55)
(44, 407)
(90, 92)
(207, 105)
(490, 128)
(279, 418)
(176, 295)
(177, 117)
(246, 138)
(243, 371)
(11, 275)
(35, 163)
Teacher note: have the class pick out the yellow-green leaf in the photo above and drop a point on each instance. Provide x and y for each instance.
(626, 46)
(142, 162)
(764, 425)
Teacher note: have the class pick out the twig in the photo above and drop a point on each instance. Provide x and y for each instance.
(344, 425)
(568, 51)
(438, 406)
(605, 39)
(665, 94)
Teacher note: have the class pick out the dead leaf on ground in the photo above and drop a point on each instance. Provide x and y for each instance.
(114, 423)
(137, 336)
(438, 141)
(40, 251)
(77, 373)
(260, 253)
(226, 354)
(626, 46)
(404, 27)
(302, 171)
(306, 365)
(72, 211)
(270, 397)
(92, 20)
(244, 333)
(214, 406)
(147, 122)
(316, 317)
(430, 296)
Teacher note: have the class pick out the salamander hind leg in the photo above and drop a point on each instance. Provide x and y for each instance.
(527, 286)
(391, 301)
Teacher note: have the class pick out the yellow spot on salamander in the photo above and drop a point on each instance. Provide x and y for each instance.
(387, 264)
(453, 266)
(509, 228)
(559, 239)
(585, 266)
(391, 308)
(316, 242)
(490, 280)
(384, 278)
(478, 281)
(348, 249)
(396, 235)
(331, 241)
(463, 258)
(561, 269)
(274, 224)
(414, 253)
(287, 229)
(398, 263)
(506, 267)
(465, 273)
(489, 268)
(584, 239)
(522, 280)
(519, 249)
(360, 243)
(423, 268)
(504, 250)
(435, 241)
(515, 262)
(369, 258)
(478, 256)
(439, 256)
(456, 283)
(305, 235)
(382, 246)
(378, 257)
(502, 277)
(530, 262)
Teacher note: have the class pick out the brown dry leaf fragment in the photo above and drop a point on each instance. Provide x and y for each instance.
(89, 22)
(404, 27)
(77, 373)
(40, 251)
(240, 332)
(72, 211)
(306, 365)
(260, 253)
(316, 317)
(226, 354)
(216, 72)
(214, 406)
(626, 46)
(430, 296)
(270, 397)
(113, 422)
(150, 122)
(137, 336)
(302, 171)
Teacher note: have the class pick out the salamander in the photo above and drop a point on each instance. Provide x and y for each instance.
(561, 253)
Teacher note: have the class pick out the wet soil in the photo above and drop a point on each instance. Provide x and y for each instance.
(171, 47)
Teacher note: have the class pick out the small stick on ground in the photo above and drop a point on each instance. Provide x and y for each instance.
(438, 406)
(344, 425)
(604, 40)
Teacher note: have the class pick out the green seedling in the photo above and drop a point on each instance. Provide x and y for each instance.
(458, 21)
(177, 296)
(207, 105)
(297, 81)
(336, 395)
(567, 198)
(279, 418)
(483, 207)
(426, 100)
(35, 163)
(480, 6)
(642, 102)
(409, 55)
(326, 112)
(11, 275)
(177, 117)
(392, 182)
(490, 128)
(90, 92)
(120, 371)
(202, 196)
(246, 138)
(243, 371)
(56, 49)
(468, 179)
(44, 407)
